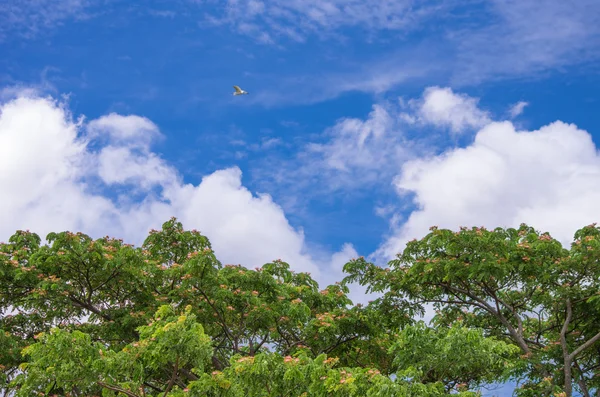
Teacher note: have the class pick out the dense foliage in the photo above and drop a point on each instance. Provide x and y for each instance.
(85, 317)
(519, 286)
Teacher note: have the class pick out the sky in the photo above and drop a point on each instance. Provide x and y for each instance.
(366, 123)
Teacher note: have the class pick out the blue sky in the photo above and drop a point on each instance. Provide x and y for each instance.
(367, 121)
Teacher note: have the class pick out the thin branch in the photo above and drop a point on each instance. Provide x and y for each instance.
(262, 342)
(581, 380)
(152, 387)
(173, 377)
(339, 343)
(486, 306)
(227, 333)
(585, 346)
(117, 389)
(89, 307)
(190, 375)
(510, 307)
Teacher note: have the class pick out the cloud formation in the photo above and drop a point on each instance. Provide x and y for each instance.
(499, 176)
(354, 156)
(102, 178)
(517, 109)
(501, 40)
(361, 154)
(442, 107)
(437, 42)
(548, 178)
(28, 18)
(359, 145)
(268, 20)
(526, 37)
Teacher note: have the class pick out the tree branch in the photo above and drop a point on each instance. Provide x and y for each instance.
(117, 389)
(581, 380)
(89, 307)
(189, 375)
(486, 306)
(587, 344)
(567, 360)
(260, 344)
(173, 377)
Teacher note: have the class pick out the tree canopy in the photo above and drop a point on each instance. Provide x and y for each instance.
(98, 317)
(519, 286)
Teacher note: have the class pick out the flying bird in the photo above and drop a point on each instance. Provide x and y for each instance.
(239, 91)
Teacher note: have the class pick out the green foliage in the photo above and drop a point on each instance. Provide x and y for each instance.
(107, 291)
(457, 356)
(519, 286)
(268, 374)
(100, 317)
(69, 362)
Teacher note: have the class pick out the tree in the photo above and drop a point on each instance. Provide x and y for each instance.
(70, 363)
(518, 285)
(89, 317)
(459, 357)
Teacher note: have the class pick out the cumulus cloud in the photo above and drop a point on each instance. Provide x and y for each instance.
(125, 156)
(442, 107)
(131, 130)
(358, 154)
(548, 178)
(57, 174)
(121, 165)
(40, 157)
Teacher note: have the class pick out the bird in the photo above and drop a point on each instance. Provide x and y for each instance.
(239, 91)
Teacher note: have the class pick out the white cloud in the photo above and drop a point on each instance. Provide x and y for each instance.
(442, 107)
(354, 154)
(121, 165)
(51, 178)
(357, 144)
(125, 157)
(338, 260)
(384, 210)
(517, 109)
(460, 45)
(233, 218)
(131, 130)
(371, 77)
(41, 158)
(358, 154)
(525, 37)
(548, 178)
(27, 18)
(17, 91)
(265, 144)
(295, 19)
